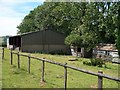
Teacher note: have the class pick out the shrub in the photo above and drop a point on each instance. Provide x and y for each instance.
(95, 62)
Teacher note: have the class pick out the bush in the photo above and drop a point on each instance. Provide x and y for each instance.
(95, 62)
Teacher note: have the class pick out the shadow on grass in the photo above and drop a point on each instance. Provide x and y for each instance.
(18, 71)
(13, 66)
(22, 69)
(4, 59)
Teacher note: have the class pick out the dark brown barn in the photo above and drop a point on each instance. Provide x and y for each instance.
(46, 41)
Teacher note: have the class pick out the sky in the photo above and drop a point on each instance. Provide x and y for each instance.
(12, 13)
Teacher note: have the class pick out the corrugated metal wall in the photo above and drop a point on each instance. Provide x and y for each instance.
(44, 41)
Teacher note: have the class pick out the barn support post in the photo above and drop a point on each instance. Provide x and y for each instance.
(11, 58)
(18, 60)
(43, 72)
(29, 63)
(2, 53)
(100, 80)
(65, 76)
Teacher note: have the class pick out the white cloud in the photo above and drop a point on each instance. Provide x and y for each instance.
(12, 2)
(7, 7)
(9, 12)
(8, 25)
(12, 13)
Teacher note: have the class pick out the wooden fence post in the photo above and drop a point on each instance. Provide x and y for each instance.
(3, 53)
(65, 77)
(100, 79)
(11, 58)
(29, 63)
(18, 60)
(43, 68)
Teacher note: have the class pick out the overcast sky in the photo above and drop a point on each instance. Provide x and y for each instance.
(12, 12)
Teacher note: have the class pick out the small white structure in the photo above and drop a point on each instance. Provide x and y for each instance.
(8, 45)
(7, 42)
(77, 51)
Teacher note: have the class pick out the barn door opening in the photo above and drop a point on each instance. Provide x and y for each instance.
(15, 42)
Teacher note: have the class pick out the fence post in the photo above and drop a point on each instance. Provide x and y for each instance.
(29, 63)
(3, 53)
(100, 80)
(18, 60)
(43, 68)
(65, 76)
(11, 57)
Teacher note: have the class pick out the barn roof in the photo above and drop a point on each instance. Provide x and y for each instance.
(38, 31)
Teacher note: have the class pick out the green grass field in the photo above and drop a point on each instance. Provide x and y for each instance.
(12, 77)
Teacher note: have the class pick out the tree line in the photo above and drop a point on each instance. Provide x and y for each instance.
(85, 24)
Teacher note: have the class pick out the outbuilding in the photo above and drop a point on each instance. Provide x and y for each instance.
(44, 41)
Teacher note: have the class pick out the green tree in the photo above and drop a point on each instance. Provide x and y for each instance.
(118, 35)
(61, 17)
(84, 24)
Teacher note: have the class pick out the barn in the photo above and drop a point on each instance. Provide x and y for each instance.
(44, 41)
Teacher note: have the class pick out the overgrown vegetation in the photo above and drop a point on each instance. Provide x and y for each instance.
(12, 77)
(95, 62)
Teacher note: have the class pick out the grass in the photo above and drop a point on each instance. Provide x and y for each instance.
(12, 77)
(0, 69)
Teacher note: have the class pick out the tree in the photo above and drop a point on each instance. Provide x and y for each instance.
(61, 17)
(84, 31)
(118, 35)
(96, 22)
(84, 24)
(115, 14)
